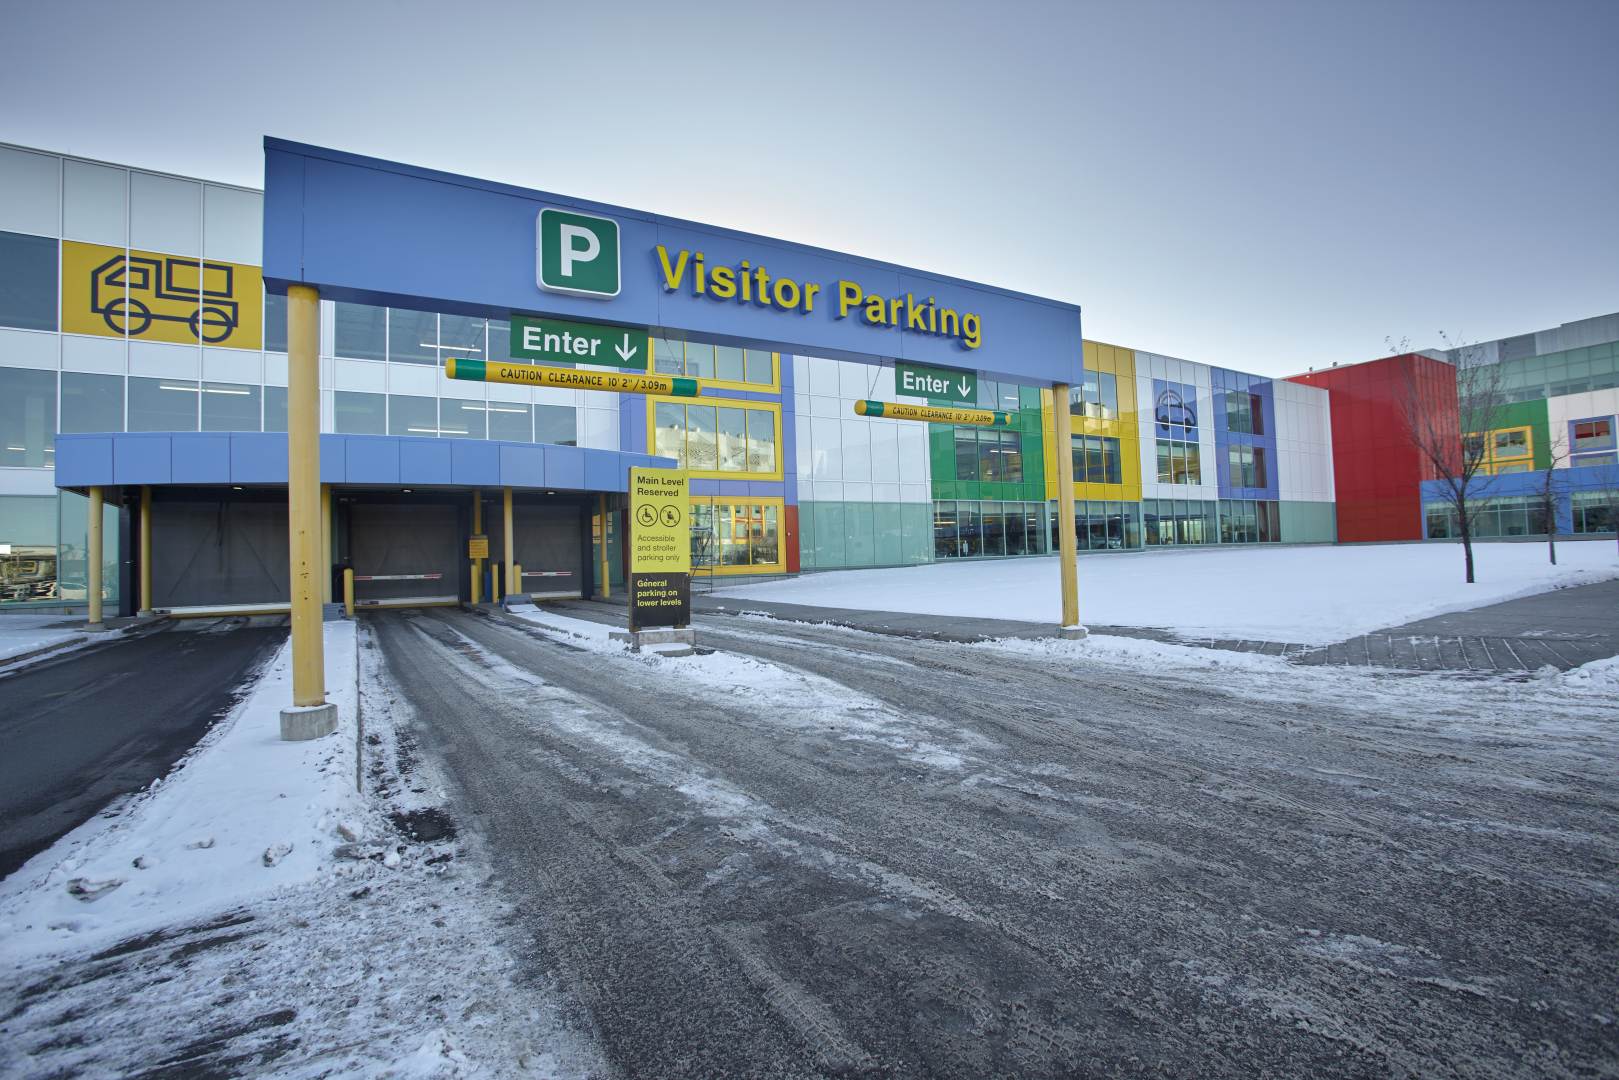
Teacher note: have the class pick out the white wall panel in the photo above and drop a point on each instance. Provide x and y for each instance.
(109, 356)
(165, 214)
(30, 192)
(365, 375)
(233, 225)
(95, 203)
(29, 349)
(157, 360)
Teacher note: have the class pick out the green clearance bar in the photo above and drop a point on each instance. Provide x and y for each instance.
(618, 382)
(933, 413)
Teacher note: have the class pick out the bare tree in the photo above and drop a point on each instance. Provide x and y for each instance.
(1552, 485)
(1453, 438)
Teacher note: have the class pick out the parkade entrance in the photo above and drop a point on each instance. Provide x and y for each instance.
(205, 516)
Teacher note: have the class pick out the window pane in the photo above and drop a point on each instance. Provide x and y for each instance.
(1110, 394)
(699, 360)
(92, 402)
(412, 336)
(28, 532)
(462, 419)
(359, 414)
(1017, 529)
(461, 336)
(230, 407)
(760, 367)
(27, 416)
(1012, 457)
(27, 281)
(499, 341)
(728, 363)
(666, 355)
(411, 415)
(733, 437)
(967, 528)
(1007, 401)
(761, 441)
(1259, 478)
(1166, 469)
(1256, 414)
(763, 542)
(275, 323)
(1194, 468)
(669, 436)
(557, 425)
(359, 331)
(162, 405)
(702, 438)
(275, 408)
(966, 439)
(989, 456)
(510, 421)
(993, 534)
(945, 544)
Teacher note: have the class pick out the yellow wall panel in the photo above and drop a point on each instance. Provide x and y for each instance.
(1121, 363)
(149, 296)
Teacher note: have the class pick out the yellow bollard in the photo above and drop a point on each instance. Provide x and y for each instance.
(477, 530)
(514, 587)
(92, 584)
(326, 559)
(1067, 543)
(348, 591)
(494, 586)
(506, 552)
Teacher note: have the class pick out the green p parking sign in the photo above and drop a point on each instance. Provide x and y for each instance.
(577, 253)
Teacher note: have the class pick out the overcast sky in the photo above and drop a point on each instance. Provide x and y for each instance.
(1262, 185)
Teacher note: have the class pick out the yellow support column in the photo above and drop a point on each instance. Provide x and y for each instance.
(477, 530)
(348, 591)
(607, 578)
(146, 550)
(506, 552)
(92, 583)
(311, 716)
(1067, 553)
(326, 559)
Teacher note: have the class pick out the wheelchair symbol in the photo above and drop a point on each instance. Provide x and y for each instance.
(647, 516)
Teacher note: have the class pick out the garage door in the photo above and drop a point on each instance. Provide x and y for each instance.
(550, 548)
(404, 553)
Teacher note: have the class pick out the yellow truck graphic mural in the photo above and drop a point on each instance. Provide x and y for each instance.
(112, 292)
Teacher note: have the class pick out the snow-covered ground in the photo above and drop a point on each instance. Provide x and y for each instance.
(22, 633)
(254, 908)
(241, 816)
(1309, 595)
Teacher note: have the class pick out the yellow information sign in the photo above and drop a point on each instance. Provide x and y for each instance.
(660, 522)
(478, 547)
(933, 413)
(619, 382)
(147, 295)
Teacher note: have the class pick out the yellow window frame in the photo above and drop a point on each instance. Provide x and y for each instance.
(771, 407)
(772, 387)
(714, 502)
(1493, 463)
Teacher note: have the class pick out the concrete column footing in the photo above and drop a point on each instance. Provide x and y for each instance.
(331, 612)
(637, 638)
(1072, 633)
(300, 723)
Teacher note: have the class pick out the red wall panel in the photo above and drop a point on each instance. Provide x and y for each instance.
(1377, 469)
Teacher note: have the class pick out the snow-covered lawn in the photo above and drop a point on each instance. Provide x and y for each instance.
(1310, 595)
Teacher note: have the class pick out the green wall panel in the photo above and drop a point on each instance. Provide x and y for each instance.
(839, 535)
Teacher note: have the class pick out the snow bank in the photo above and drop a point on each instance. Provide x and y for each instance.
(21, 634)
(244, 814)
(1310, 595)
